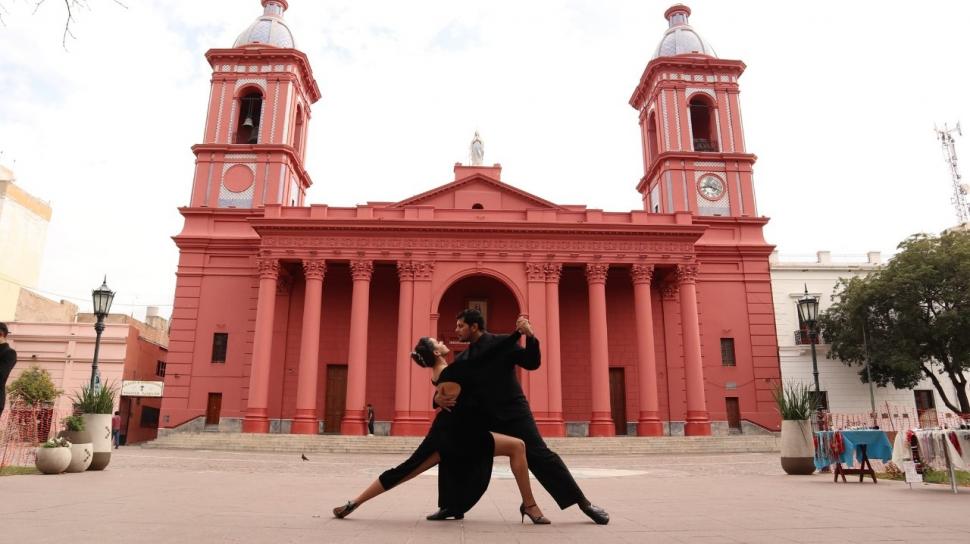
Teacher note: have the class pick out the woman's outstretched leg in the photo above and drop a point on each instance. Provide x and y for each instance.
(514, 449)
(376, 488)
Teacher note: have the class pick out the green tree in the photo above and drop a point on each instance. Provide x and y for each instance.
(913, 316)
(34, 386)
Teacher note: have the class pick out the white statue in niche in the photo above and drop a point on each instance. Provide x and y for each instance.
(476, 150)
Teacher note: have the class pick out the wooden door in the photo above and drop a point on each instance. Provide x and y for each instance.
(618, 400)
(733, 414)
(213, 408)
(926, 408)
(336, 399)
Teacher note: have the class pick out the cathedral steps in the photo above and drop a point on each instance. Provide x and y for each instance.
(291, 443)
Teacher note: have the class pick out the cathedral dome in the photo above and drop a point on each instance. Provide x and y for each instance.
(680, 38)
(269, 29)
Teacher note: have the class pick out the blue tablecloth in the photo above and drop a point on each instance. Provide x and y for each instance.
(877, 447)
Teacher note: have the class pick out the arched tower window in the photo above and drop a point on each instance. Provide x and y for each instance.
(703, 124)
(298, 132)
(653, 144)
(247, 128)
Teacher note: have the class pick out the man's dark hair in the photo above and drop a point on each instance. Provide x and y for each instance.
(472, 317)
(3, 329)
(423, 353)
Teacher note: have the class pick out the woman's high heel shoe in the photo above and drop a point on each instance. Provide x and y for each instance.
(341, 512)
(537, 520)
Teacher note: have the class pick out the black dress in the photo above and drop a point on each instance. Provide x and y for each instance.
(466, 446)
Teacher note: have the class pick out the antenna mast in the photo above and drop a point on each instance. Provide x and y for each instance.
(960, 190)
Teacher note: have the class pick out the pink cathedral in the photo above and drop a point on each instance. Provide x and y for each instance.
(290, 317)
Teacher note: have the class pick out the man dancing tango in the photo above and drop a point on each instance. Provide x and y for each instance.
(503, 399)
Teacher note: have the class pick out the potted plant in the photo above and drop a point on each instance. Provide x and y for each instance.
(796, 403)
(33, 394)
(96, 406)
(82, 449)
(53, 456)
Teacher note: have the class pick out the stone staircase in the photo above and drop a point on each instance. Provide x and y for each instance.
(293, 443)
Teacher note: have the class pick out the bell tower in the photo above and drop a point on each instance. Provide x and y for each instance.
(254, 142)
(694, 157)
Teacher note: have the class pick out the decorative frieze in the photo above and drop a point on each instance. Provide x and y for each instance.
(432, 244)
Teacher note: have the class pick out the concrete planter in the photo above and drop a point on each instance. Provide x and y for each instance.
(52, 460)
(82, 449)
(797, 447)
(99, 425)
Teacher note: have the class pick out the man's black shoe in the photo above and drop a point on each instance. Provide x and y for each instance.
(595, 513)
(443, 514)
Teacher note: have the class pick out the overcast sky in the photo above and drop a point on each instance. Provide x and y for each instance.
(839, 102)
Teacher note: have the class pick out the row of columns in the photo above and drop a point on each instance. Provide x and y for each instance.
(544, 386)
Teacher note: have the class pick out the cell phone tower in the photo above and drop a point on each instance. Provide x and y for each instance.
(960, 189)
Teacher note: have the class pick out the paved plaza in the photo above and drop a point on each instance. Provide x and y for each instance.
(153, 495)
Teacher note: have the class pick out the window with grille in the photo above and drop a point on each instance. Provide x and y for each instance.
(160, 369)
(220, 341)
(727, 352)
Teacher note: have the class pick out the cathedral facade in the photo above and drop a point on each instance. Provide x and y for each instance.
(292, 317)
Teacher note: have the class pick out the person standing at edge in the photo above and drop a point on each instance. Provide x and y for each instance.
(8, 358)
(370, 419)
(502, 397)
(116, 429)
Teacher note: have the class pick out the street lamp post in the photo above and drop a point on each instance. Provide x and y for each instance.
(808, 316)
(102, 297)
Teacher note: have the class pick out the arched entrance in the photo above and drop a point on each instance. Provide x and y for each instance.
(493, 297)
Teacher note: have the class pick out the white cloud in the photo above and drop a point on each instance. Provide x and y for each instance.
(839, 101)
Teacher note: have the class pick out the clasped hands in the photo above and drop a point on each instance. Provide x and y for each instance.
(447, 402)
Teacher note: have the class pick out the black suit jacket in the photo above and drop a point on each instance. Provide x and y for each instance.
(497, 390)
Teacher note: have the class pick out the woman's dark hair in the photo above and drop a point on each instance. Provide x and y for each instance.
(423, 353)
(472, 317)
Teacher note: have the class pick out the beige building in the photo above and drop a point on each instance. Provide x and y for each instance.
(23, 234)
(841, 387)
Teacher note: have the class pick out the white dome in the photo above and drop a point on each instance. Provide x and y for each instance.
(680, 38)
(269, 29)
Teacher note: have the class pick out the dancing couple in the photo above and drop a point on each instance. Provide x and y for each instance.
(483, 414)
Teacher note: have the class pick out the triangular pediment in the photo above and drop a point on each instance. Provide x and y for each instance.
(477, 192)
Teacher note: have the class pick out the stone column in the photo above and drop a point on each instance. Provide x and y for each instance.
(305, 417)
(402, 371)
(256, 418)
(648, 423)
(601, 422)
(354, 421)
(552, 355)
(698, 422)
(421, 389)
(536, 383)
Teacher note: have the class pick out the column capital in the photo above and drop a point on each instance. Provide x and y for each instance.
(535, 272)
(553, 272)
(642, 273)
(686, 274)
(269, 268)
(670, 290)
(314, 269)
(405, 270)
(361, 270)
(423, 271)
(596, 272)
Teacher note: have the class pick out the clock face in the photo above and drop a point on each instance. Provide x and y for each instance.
(711, 187)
